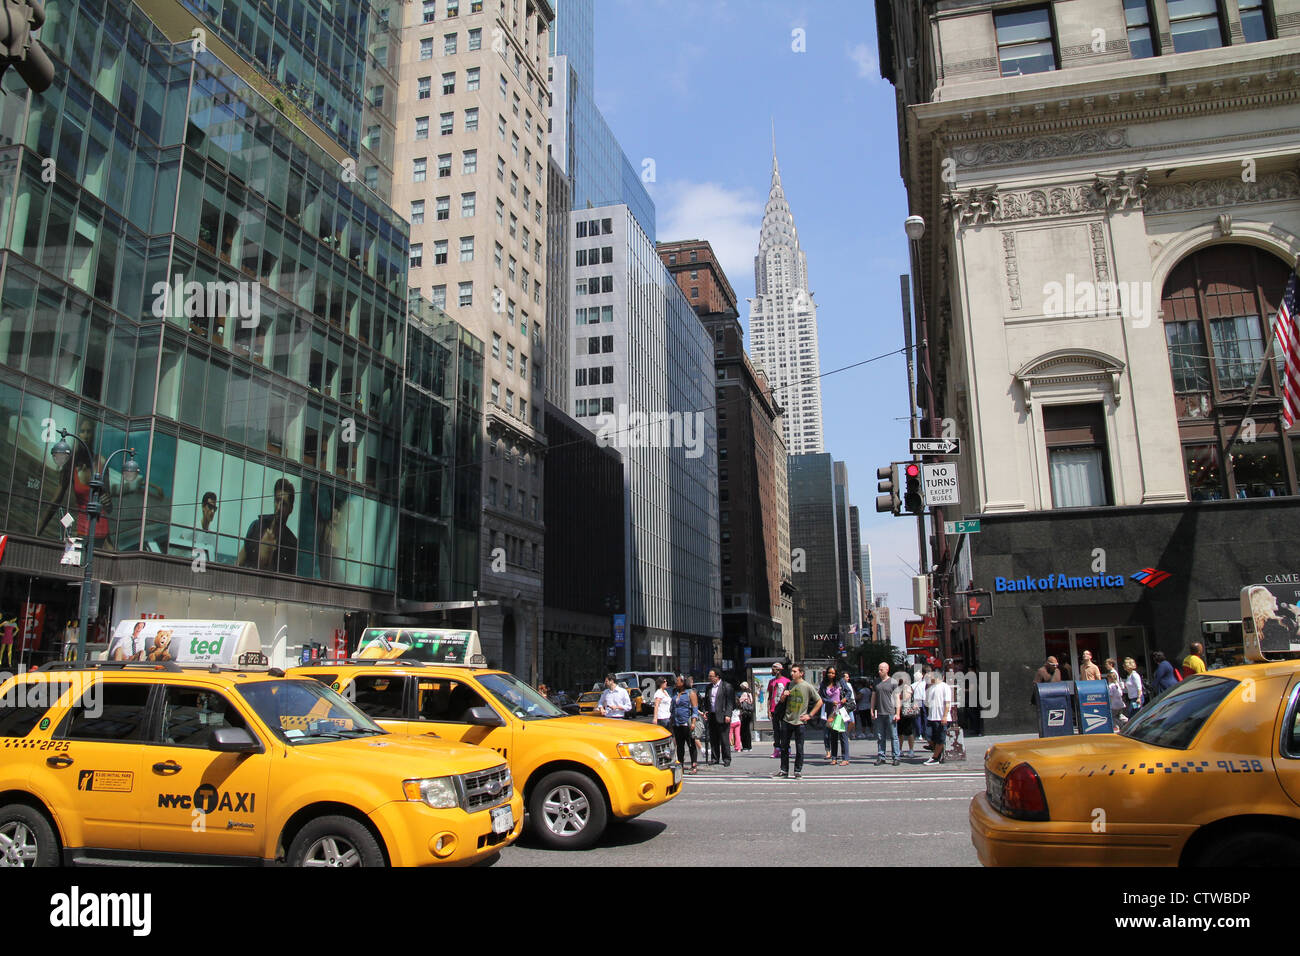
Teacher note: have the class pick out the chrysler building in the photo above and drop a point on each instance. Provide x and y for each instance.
(783, 324)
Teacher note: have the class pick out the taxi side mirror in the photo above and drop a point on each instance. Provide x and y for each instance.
(484, 717)
(233, 740)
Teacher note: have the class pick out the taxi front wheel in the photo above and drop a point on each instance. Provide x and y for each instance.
(334, 841)
(567, 810)
(26, 838)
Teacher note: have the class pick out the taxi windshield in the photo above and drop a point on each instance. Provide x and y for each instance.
(307, 712)
(520, 699)
(1177, 716)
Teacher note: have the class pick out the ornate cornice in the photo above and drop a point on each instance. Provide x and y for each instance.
(1228, 191)
(1069, 200)
(1040, 147)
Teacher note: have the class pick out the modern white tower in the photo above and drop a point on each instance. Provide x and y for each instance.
(783, 323)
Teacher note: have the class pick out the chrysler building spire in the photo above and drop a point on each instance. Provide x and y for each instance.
(783, 321)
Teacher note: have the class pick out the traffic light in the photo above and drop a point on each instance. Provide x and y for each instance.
(912, 499)
(19, 19)
(888, 485)
(979, 605)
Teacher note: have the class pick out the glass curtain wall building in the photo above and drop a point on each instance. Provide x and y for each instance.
(581, 141)
(186, 271)
(441, 445)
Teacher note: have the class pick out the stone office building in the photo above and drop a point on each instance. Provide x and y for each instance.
(1112, 211)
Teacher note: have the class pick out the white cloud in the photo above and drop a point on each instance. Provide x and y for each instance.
(728, 218)
(864, 58)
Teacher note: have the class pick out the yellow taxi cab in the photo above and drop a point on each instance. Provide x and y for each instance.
(1207, 774)
(143, 759)
(588, 702)
(576, 772)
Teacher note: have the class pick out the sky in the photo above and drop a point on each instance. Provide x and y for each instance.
(698, 94)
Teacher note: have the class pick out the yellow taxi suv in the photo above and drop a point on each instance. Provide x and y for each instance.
(127, 760)
(577, 773)
(1208, 774)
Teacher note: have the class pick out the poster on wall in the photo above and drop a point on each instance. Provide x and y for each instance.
(1270, 621)
(224, 643)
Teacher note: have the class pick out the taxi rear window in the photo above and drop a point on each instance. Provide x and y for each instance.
(1176, 718)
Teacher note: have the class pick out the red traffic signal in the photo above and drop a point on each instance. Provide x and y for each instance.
(978, 605)
(912, 499)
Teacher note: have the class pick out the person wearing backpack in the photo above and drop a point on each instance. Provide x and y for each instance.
(746, 705)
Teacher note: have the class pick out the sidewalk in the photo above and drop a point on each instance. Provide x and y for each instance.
(862, 758)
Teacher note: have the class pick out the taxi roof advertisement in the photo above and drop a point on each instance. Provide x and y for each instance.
(442, 645)
(222, 643)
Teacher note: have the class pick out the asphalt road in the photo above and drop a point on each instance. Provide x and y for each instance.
(862, 815)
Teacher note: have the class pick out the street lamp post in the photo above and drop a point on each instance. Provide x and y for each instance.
(62, 453)
(914, 226)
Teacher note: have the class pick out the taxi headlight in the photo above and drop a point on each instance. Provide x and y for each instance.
(440, 793)
(642, 753)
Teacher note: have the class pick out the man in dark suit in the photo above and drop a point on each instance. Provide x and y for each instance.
(721, 698)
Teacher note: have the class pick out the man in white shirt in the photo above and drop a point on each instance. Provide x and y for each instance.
(938, 706)
(614, 702)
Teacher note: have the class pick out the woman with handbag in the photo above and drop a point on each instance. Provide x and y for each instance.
(832, 693)
(909, 712)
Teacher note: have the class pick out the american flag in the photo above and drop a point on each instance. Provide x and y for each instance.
(1288, 343)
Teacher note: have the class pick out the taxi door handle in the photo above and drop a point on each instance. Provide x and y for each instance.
(168, 766)
(62, 760)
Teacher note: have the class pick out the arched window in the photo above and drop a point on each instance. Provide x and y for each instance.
(1219, 307)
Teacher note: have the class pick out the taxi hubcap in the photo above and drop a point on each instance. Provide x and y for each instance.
(332, 851)
(17, 845)
(566, 810)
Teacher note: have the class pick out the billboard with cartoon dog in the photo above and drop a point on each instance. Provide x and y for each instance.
(224, 643)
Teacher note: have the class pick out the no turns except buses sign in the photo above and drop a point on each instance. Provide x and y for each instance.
(939, 483)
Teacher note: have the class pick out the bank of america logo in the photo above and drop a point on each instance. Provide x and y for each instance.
(1151, 576)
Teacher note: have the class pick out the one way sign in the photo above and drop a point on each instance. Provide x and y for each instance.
(934, 446)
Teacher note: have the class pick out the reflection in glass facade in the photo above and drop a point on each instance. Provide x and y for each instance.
(582, 141)
(265, 408)
(313, 50)
(441, 428)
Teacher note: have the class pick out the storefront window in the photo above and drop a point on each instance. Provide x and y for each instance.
(1258, 469)
(1213, 302)
(1204, 473)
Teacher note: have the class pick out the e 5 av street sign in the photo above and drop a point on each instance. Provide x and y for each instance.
(934, 446)
(969, 526)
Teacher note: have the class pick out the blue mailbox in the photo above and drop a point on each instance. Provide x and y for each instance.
(1055, 705)
(1092, 698)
